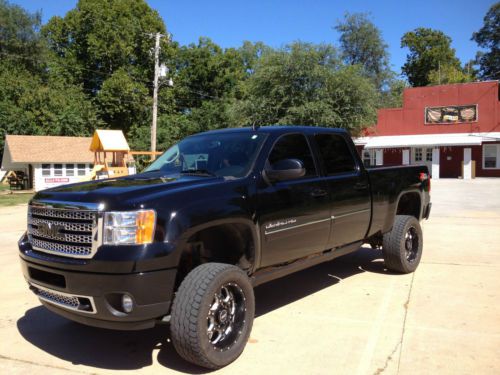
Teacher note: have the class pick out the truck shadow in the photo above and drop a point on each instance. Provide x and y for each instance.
(129, 350)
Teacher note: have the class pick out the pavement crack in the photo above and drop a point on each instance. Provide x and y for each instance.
(401, 338)
(46, 366)
(389, 358)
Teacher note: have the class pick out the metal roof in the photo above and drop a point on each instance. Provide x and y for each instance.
(430, 140)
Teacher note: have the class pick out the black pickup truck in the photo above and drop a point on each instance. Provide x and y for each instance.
(186, 241)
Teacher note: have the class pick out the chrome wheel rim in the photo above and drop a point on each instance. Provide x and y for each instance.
(226, 316)
(411, 244)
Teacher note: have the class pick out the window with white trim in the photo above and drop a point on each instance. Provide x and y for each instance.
(82, 169)
(428, 154)
(369, 157)
(491, 156)
(70, 170)
(58, 170)
(418, 154)
(45, 169)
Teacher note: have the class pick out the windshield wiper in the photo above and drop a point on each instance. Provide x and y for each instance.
(198, 172)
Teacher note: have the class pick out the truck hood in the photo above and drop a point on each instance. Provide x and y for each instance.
(129, 191)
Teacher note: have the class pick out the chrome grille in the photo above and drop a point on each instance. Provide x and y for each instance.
(83, 304)
(63, 213)
(61, 249)
(59, 299)
(65, 232)
(71, 226)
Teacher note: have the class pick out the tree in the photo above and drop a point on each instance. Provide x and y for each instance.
(94, 40)
(447, 74)
(361, 43)
(20, 40)
(392, 97)
(306, 84)
(34, 98)
(107, 50)
(429, 50)
(123, 101)
(488, 37)
(207, 72)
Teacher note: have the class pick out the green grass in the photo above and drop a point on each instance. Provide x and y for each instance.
(4, 187)
(14, 199)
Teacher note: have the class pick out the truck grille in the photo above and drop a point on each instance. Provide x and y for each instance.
(65, 232)
(68, 301)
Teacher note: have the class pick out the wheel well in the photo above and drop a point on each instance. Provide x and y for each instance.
(227, 243)
(409, 204)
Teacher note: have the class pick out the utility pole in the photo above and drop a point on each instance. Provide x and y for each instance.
(439, 71)
(155, 95)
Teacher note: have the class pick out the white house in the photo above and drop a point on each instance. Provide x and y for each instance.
(48, 161)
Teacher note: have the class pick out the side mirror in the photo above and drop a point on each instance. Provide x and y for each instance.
(286, 169)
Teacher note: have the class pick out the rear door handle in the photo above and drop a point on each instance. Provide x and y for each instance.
(316, 193)
(360, 186)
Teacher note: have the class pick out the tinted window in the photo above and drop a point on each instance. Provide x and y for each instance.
(293, 146)
(335, 154)
(221, 154)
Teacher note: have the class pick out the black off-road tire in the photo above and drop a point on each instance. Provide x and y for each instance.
(190, 319)
(402, 246)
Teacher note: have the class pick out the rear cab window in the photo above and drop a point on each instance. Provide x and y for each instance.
(334, 154)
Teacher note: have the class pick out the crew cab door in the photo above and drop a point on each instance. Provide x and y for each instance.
(348, 184)
(294, 215)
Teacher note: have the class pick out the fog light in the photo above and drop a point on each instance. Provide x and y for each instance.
(127, 303)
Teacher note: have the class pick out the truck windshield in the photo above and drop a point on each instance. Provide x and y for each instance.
(217, 154)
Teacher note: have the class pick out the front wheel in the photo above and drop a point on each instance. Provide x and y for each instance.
(212, 315)
(402, 246)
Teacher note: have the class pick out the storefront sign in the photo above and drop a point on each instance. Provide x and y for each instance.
(451, 114)
(56, 180)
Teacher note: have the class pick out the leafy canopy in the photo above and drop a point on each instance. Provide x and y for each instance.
(429, 51)
(488, 37)
(361, 44)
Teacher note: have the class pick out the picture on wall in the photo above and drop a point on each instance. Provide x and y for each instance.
(451, 114)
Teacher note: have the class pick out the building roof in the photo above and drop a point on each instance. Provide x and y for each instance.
(430, 140)
(48, 149)
(109, 140)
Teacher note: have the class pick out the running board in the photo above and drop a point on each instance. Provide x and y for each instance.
(275, 272)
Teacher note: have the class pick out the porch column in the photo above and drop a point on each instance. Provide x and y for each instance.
(406, 157)
(467, 164)
(435, 163)
(379, 157)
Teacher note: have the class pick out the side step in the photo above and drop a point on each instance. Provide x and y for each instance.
(275, 272)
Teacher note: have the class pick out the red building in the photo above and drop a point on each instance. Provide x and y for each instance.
(454, 129)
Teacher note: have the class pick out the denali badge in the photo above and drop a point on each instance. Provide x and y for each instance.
(51, 230)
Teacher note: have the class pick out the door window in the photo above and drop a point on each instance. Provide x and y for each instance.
(335, 154)
(293, 146)
(428, 154)
(418, 154)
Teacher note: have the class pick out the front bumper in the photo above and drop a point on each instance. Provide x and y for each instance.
(95, 299)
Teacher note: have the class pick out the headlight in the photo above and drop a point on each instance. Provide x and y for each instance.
(129, 228)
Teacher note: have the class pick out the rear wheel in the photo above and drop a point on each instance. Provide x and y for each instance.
(402, 246)
(212, 315)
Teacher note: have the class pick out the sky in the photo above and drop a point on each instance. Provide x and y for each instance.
(276, 23)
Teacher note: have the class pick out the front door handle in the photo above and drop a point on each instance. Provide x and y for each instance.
(360, 186)
(316, 193)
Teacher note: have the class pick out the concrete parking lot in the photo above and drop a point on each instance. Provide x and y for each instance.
(348, 316)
